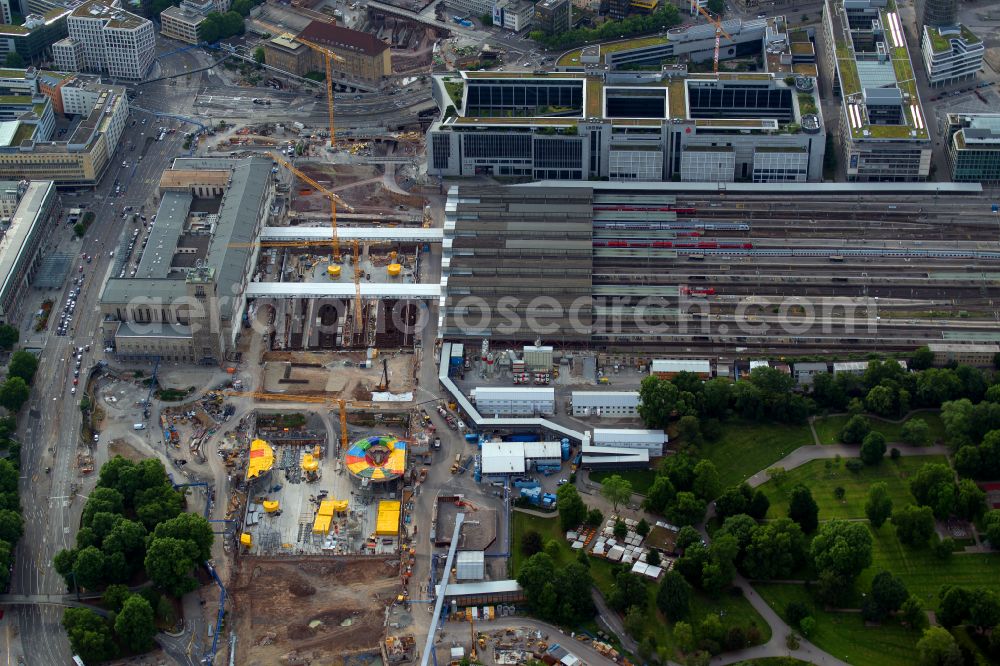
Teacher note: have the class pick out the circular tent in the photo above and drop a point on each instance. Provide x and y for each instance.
(377, 458)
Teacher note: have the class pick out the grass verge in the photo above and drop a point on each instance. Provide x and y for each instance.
(824, 476)
(828, 428)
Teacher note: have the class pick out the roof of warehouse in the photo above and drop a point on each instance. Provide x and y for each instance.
(603, 398)
(763, 188)
(628, 435)
(962, 347)
(463, 556)
(534, 450)
(486, 587)
(681, 365)
(503, 458)
(514, 393)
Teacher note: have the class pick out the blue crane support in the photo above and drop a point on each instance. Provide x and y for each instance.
(429, 650)
(210, 653)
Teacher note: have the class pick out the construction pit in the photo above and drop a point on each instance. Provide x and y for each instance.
(336, 374)
(304, 496)
(311, 610)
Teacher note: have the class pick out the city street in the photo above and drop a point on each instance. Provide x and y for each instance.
(50, 426)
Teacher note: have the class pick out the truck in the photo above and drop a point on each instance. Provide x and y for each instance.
(299, 126)
(458, 461)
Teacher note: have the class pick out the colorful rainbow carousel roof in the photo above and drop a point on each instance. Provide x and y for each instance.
(379, 458)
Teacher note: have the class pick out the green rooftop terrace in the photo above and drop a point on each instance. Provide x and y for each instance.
(23, 133)
(637, 43)
(15, 99)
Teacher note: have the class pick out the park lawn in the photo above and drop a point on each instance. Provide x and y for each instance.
(923, 573)
(828, 427)
(844, 635)
(746, 448)
(733, 610)
(822, 482)
(641, 479)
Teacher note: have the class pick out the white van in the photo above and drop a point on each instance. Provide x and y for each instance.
(138, 426)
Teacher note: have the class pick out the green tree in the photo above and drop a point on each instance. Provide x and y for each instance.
(992, 528)
(683, 636)
(531, 543)
(922, 358)
(971, 502)
(642, 527)
(707, 485)
(628, 591)
(878, 507)
(169, 563)
(188, 526)
(22, 364)
(635, 622)
(657, 401)
(916, 432)
(717, 7)
(957, 418)
(6, 563)
(594, 517)
(135, 625)
(984, 610)
(8, 336)
(855, 430)
(158, 504)
(102, 500)
(776, 550)
(914, 524)
(14, 393)
(912, 613)
(954, 606)
(802, 508)
(79, 229)
(873, 448)
(673, 597)
(616, 490)
(114, 597)
(686, 510)
(89, 568)
(937, 647)
(620, 529)
(689, 430)
(259, 55)
(887, 594)
(843, 547)
(881, 400)
(689, 535)
(740, 526)
(572, 510)
(89, 635)
(934, 486)
(660, 495)
(14, 59)
(11, 526)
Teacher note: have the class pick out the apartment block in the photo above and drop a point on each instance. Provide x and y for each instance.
(68, 56)
(974, 147)
(82, 158)
(514, 15)
(33, 39)
(181, 22)
(553, 16)
(114, 41)
(951, 54)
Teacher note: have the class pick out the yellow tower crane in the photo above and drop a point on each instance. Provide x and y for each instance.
(719, 32)
(357, 288)
(335, 244)
(328, 58)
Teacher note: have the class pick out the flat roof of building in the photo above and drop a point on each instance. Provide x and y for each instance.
(183, 15)
(486, 587)
(503, 458)
(963, 347)
(681, 365)
(14, 241)
(114, 17)
(514, 393)
(342, 290)
(605, 398)
(612, 435)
